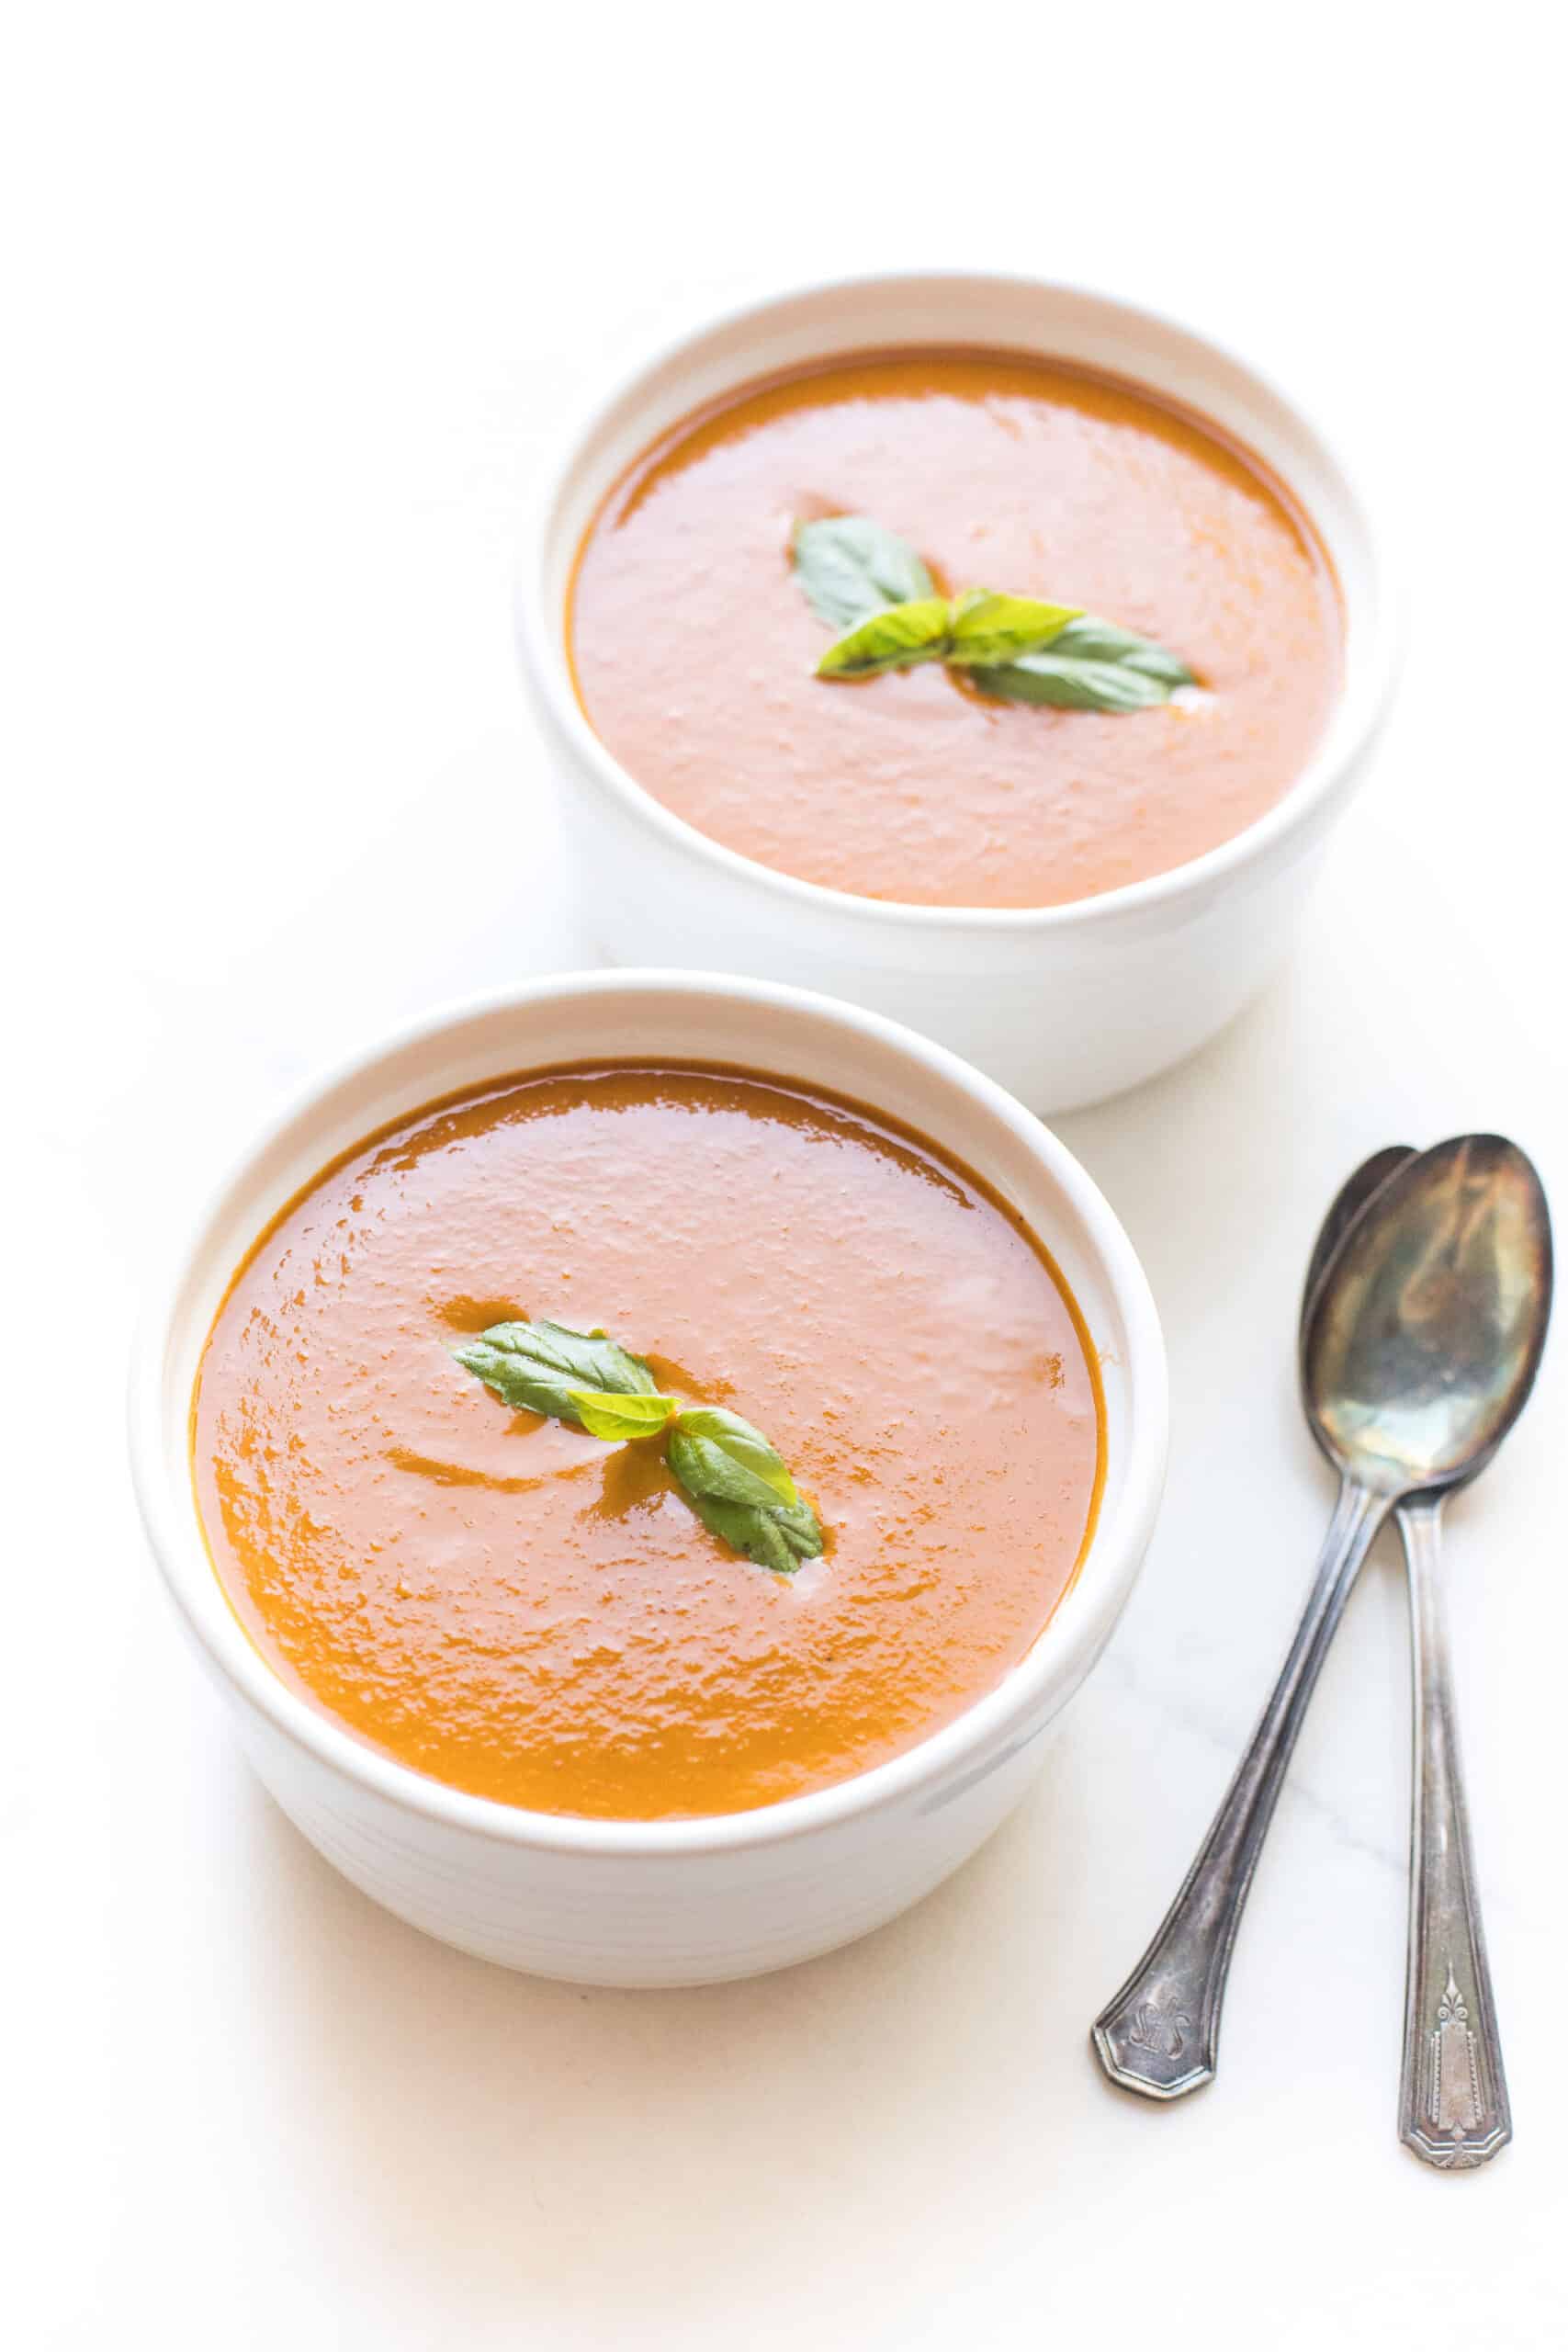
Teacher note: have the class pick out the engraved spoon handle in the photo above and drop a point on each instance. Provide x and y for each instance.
(1453, 2099)
(1160, 2034)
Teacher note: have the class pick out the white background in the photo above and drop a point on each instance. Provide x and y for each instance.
(294, 297)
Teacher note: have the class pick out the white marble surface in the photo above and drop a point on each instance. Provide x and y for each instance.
(304, 293)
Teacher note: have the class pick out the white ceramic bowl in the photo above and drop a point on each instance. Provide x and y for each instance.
(660, 1903)
(1063, 1004)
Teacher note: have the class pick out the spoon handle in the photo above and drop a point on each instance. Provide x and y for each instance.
(1160, 2035)
(1453, 2099)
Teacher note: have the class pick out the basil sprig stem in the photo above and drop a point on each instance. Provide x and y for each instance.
(736, 1481)
(1018, 649)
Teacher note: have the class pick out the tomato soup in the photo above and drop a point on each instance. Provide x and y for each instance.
(694, 648)
(502, 1600)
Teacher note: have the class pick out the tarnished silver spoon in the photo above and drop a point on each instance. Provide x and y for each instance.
(1420, 1344)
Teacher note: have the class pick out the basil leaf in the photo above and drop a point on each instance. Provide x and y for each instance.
(990, 628)
(729, 1458)
(777, 1539)
(894, 639)
(620, 1418)
(850, 568)
(1067, 684)
(1090, 640)
(740, 1488)
(539, 1367)
(1091, 665)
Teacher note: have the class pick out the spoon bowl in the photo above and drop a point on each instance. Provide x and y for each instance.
(1424, 1333)
(1343, 1210)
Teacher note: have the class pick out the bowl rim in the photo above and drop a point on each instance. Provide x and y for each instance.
(1066, 1648)
(1353, 722)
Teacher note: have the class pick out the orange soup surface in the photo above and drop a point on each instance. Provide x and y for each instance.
(503, 1601)
(694, 647)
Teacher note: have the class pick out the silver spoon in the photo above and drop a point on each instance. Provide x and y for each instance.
(1420, 1346)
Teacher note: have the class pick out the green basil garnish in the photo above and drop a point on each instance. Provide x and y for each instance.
(873, 588)
(987, 630)
(737, 1482)
(1092, 665)
(1089, 639)
(740, 1488)
(850, 568)
(724, 1456)
(777, 1537)
(544, 1367)
(894, 639)
(618, 1420)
